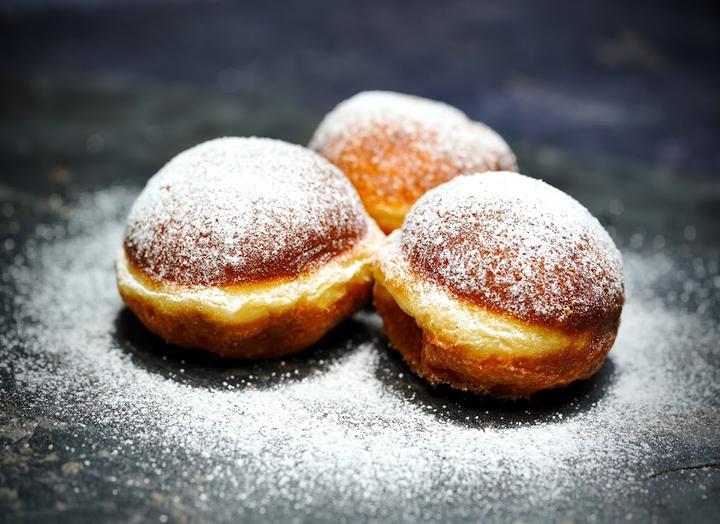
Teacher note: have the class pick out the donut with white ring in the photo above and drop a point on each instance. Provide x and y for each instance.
(246, 248)
(498, 283)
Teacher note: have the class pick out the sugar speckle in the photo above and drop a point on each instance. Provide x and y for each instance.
(515, 244)
(394, 147)
(233, 210)
(351, 440)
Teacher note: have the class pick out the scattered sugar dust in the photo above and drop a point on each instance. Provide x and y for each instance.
(347, 431)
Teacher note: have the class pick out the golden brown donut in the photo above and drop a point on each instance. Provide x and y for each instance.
(499, 283)
(247, 248)
(395, 147)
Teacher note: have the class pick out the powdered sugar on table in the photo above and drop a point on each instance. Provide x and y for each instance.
(343, 431)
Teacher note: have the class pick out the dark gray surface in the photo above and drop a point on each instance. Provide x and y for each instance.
(51, 161)
(614, 103)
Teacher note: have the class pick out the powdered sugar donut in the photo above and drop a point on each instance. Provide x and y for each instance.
(246, 247)
(395, 147)
(500, 283)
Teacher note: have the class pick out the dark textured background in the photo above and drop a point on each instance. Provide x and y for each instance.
(637, 79)
(617, 103)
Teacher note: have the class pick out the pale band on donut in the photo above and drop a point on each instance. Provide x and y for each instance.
(501, 284)
(247, 248)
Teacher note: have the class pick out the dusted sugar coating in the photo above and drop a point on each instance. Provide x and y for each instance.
(516, 245)
(346, 423)
(395, 147)
(241, 210)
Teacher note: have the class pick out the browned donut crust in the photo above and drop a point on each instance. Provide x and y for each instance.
(442, 361)
(242, 210)
(499, 283)
(515, 245)
(247, 248)
(395, 147)
(271, 336)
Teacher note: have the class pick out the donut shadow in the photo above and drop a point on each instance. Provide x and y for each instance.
(469, 409)
(201, 369)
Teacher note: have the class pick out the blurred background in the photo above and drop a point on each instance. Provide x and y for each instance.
(616, 102)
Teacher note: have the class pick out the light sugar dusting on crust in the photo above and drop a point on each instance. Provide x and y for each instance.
(516, 245)
(236, 210)
(395, 147)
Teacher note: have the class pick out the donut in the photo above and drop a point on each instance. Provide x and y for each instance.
(500, 284)
(395, 147)
(246, 248)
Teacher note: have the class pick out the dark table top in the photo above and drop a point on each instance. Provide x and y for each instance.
(100, 420)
